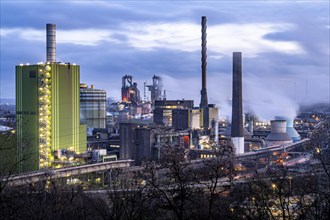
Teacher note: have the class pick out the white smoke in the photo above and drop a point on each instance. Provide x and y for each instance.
(266, 99)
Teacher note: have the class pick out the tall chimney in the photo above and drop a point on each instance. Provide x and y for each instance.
(51, 43)
(204, 101)
(237, 110)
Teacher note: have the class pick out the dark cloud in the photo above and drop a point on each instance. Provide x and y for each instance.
(296, 77)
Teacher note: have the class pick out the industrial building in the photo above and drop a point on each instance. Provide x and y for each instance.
(195, 118)
(142, 142)
(129, 92)
(164, 109)
(92, 106)
(156, 89)
(48, 110)
(130, 148)
(208, 114)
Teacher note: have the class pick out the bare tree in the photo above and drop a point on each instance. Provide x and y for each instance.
(172, 183)
(320, 145)
(217, 174)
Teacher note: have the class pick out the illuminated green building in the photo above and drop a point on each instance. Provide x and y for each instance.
(48, 114)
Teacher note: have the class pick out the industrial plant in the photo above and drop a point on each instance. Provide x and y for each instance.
(48, 111)
(69, 132)
(69, 123)
(166, 110)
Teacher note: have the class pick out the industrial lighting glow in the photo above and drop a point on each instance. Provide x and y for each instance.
(45, 145)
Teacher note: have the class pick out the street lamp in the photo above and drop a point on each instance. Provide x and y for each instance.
(273, 187)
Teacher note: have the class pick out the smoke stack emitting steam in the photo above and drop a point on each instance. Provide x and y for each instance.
(237, 133)
(51, 43)
(204, 102)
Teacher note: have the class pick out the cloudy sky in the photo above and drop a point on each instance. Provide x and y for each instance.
(285, 46)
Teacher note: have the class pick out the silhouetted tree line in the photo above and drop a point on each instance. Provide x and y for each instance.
(177, 188)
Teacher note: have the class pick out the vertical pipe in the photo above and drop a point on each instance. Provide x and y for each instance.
(237, 111)
(144, 91)
(51, 42)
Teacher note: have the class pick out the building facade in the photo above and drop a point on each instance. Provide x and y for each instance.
(92, 107)
(164, 109)
(48, 113)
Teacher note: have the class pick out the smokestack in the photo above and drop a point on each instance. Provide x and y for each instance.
(237, 111)
(51, 43)
(204, 101)
(237, 133)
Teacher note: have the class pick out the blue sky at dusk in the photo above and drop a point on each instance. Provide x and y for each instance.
(285, 47)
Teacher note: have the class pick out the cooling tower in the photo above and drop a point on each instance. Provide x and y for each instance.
(289, 128)
(278, 133)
